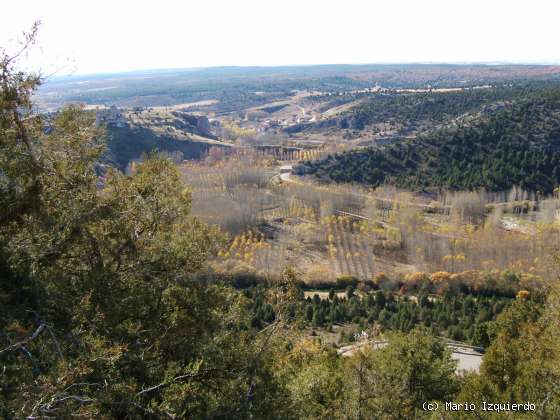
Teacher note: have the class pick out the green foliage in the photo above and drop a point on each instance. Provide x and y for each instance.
(343, 282)
(391, 382)
(417, 367)
(99, 315)
(413, 110)
(460, 317)
(395, 380)
(315, 380)
(521, 363)
(516, 145)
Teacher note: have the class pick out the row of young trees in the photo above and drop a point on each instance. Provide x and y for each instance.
(459, 317)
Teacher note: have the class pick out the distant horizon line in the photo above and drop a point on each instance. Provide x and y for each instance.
(272, 66)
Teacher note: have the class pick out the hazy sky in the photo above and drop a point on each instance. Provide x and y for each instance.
(107, 36)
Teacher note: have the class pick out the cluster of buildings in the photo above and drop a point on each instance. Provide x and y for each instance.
(273, 124)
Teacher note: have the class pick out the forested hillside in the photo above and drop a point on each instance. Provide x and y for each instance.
(516, 145)
(411, 108)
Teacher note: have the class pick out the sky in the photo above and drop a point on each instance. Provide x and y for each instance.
(84, 37)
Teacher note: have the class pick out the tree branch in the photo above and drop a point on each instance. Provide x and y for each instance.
(21, 344)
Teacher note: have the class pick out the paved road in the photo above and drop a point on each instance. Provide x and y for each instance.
(468, 358)
(286, 172)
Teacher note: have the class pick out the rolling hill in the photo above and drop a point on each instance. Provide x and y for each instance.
(515, 144)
